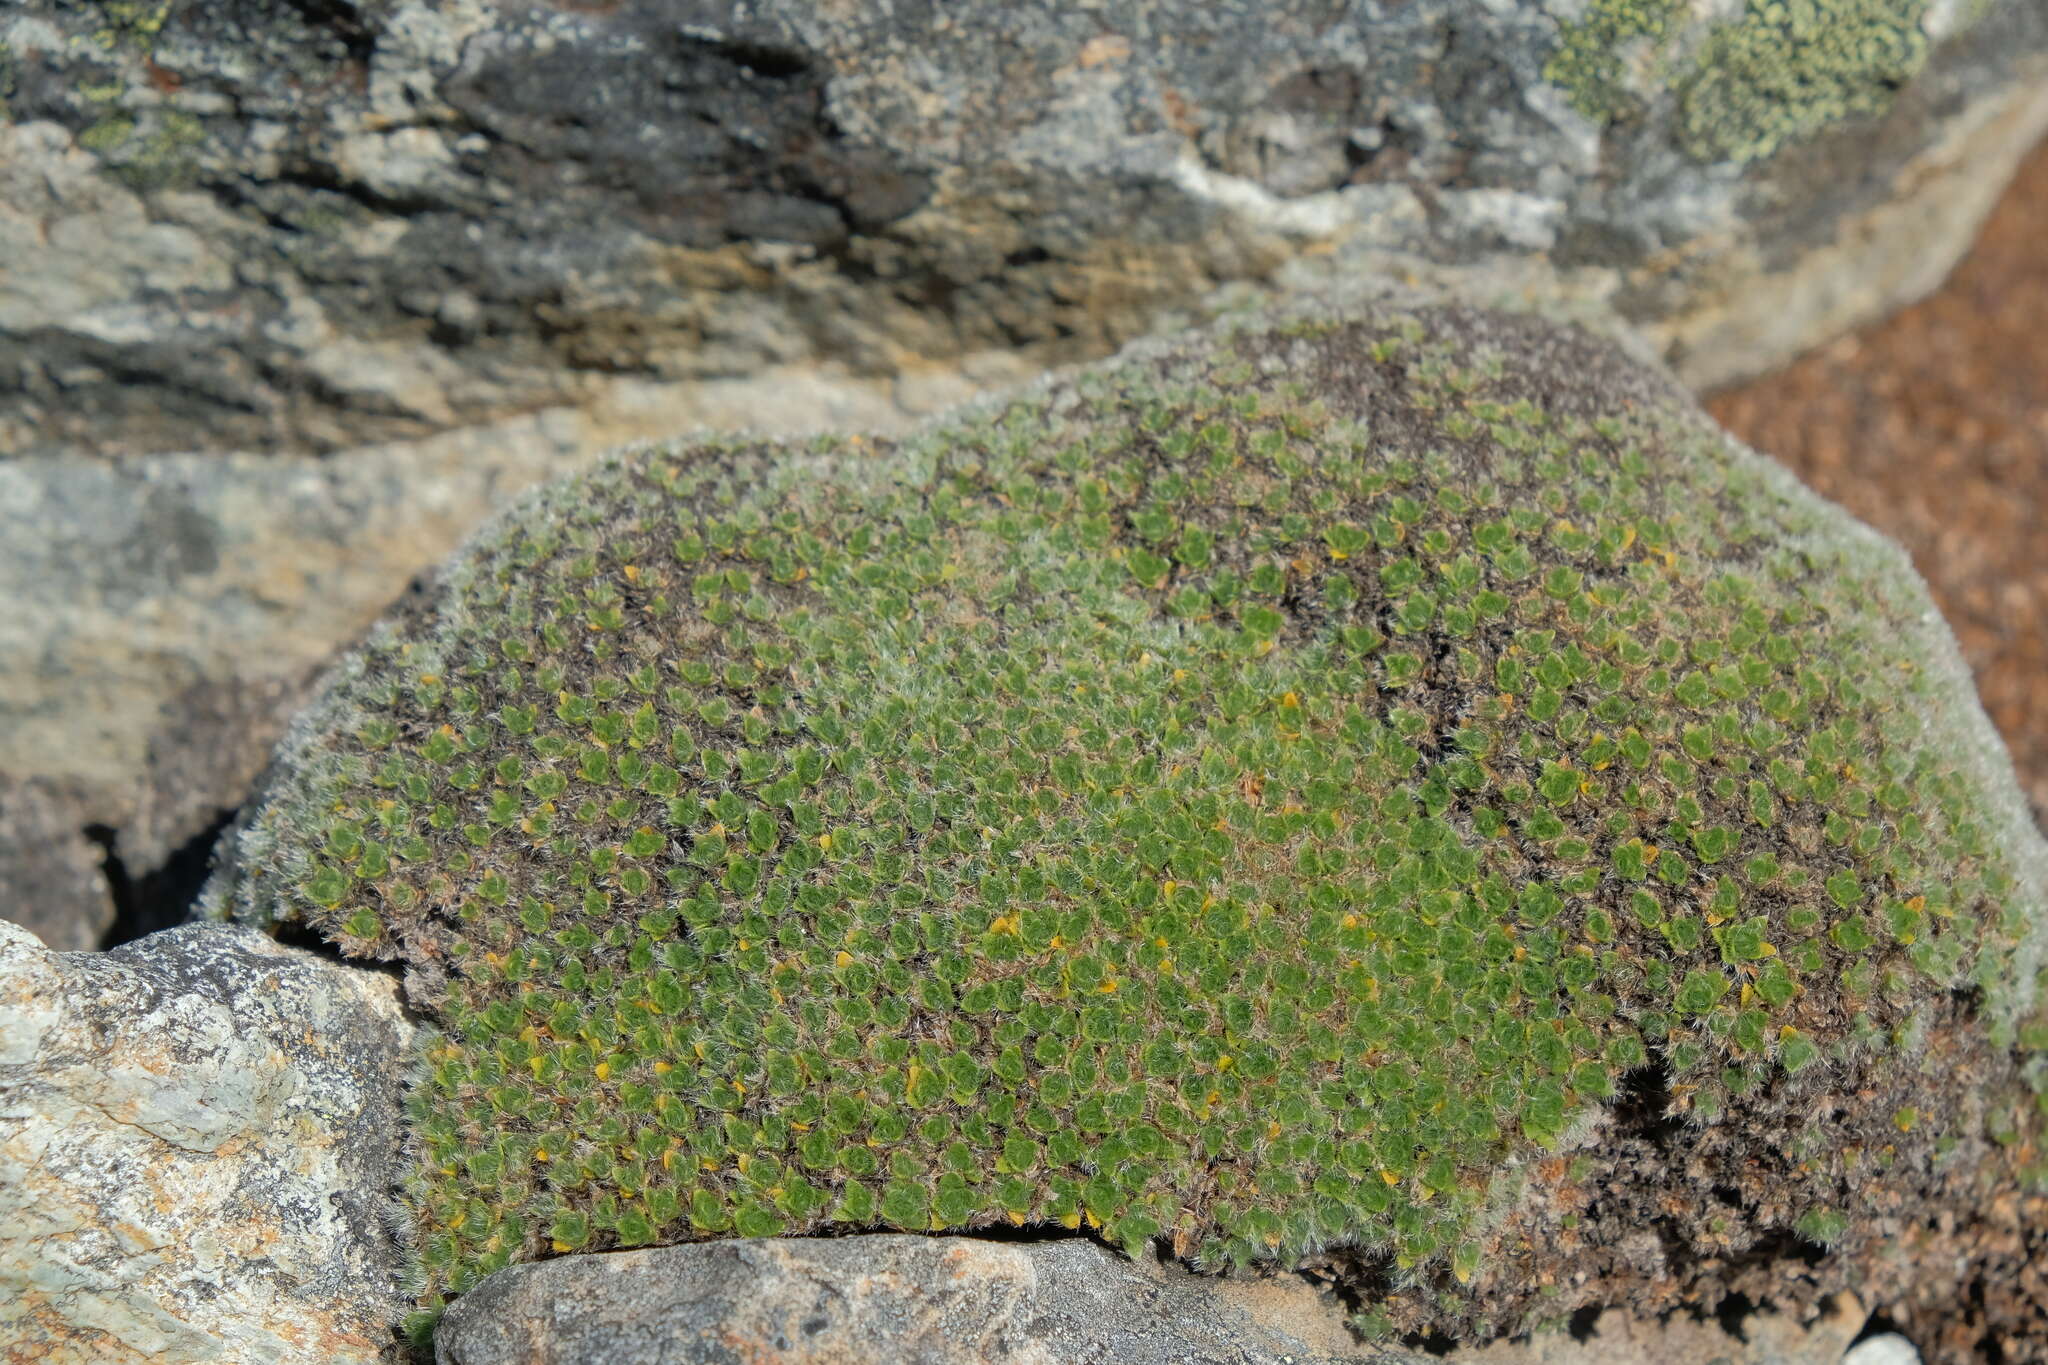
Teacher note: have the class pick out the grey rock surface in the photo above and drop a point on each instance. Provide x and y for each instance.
(197, 1153)
(166, 615)
(904, 1300)
(938, 1301)
(51, 870)
(308, 227)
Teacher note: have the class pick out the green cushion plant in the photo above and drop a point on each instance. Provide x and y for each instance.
(1285, 792)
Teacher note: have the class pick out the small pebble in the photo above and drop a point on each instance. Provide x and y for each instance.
(1889, 1349)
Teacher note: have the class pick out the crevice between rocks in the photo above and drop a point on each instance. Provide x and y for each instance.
(146, 900)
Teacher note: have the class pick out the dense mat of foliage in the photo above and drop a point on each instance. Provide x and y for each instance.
(1258, 793)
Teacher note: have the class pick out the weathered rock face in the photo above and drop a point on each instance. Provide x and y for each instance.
(1763, 1337)
(50, 868)
(924, 1301)
(916, 1300)
(198, 1140)
(308, 226)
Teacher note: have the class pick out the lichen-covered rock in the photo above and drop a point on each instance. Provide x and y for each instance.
(1398, 786)
(196, 1153)
(914, 1300)
(1746, 84)
(304, 226)
(1888, 1348)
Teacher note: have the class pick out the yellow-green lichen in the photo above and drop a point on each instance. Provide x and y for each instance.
(158, 153)
(1792, 67)
(107, 135)
(1747, 88)
(1258, 794)
(1595, 53)
(131, 23)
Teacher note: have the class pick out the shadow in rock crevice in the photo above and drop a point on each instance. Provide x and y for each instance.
(162, 897)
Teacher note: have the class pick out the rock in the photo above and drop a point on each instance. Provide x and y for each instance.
(1888, 1349)
(55, 886)
(197, 1153)
(915, 1300)
(310, 227)
(165, 618)
(926, 1301)
(1761, 1337)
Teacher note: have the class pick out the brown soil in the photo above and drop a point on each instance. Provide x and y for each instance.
(1933, 425)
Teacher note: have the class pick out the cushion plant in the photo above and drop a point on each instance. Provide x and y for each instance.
(1397, 786)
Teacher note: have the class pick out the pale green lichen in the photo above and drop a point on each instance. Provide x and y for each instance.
(131, 23)
(107, 135)
(101, 92)
(1264, 794)
(158, 153)
(1793, 67)
(1593, 55)
(123, 27)
(1748, 88)
(155, 151)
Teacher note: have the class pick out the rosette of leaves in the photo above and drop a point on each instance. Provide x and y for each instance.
(1398, 787)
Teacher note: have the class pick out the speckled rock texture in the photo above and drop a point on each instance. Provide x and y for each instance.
(1887, 1349)
(922, 1301)
(197, 1148)
(1766, 1336)
(310, 226)
(909, 1300)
